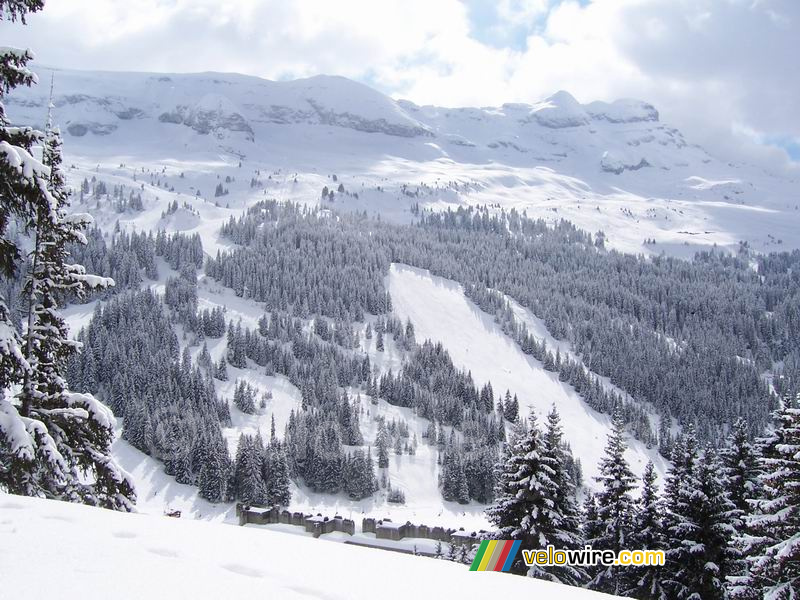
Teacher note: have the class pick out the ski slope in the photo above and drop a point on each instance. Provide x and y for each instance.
(131, 556)
(441, 312)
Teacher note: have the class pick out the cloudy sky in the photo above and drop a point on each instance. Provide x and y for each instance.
(725, 71)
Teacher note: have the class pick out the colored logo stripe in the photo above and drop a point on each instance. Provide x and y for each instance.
(487, 556)
(495, 558)
(501, 559)
(495, 555)
(512, 554)
(479, 556)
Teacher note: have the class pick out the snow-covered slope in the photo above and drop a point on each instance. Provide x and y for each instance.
(441, 312)
(106, 554)
(612, 166)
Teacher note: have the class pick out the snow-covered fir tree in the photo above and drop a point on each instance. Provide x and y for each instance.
(244, 397)
(453, 479)
(526, 506)
(276, 474)
(772, 543)
(740, 462)
(53, 442)
(700, 524)
(591, 526)
(511, 408)
(359, 475)
(248, 480)
(614, 508)
(382, 446)
(568, 535)
(644, 583)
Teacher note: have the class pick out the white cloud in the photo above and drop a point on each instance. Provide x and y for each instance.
(723, 70)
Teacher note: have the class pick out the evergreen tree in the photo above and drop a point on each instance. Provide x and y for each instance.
(459, 478)
(221, 371)
(53, 442)
(740, 462)
(248, 477)
(511, 408)
(648, 533)
(451, 552)
(278, 490)
(591, 528)
(701, 523)
(410, 339)
(244, 398)
(773, 549)
(463, 555)
(664, 436)
(213, 478)
(382, 444)
(614, 508)
(568, 527)
(526, 498)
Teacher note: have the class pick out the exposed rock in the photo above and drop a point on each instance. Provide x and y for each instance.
(130, 113)
(81, 129)
(359, 123)
(623, 111)
(612, 163)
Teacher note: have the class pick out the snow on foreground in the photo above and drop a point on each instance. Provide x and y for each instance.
(91, 553)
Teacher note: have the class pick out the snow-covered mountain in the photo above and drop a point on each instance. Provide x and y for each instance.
(175, 139)
(612, 166)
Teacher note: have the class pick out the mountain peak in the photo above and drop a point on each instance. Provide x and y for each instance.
(560, 110)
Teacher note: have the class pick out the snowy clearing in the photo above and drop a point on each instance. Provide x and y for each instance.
(140, 556)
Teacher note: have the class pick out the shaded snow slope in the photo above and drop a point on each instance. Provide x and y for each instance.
(158, 493)
(138, 556)
(441, 312)
(603, 165)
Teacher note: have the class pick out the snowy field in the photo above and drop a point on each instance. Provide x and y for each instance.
(131, 556)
